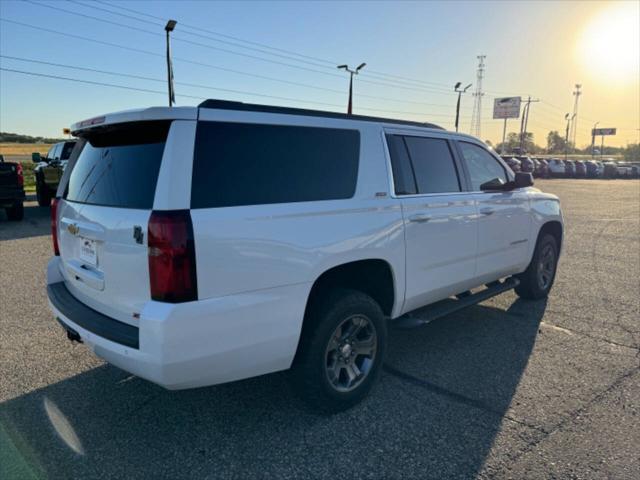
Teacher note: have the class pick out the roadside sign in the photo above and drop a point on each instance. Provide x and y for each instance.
(603, 131)
(507, 107)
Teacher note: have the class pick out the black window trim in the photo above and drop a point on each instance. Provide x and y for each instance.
(463, 180)
(463, 163)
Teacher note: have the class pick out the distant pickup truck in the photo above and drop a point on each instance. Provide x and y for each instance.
(12, 189)
(49, 169)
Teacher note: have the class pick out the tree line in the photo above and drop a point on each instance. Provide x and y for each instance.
(6, 137)
(556, 144)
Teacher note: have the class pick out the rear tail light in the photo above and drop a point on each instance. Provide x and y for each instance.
(172, 257)
(20, 174)
(54, 226)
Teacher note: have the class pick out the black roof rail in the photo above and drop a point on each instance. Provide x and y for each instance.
(251, 107)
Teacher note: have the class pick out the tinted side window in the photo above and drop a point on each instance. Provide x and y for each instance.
(403, 179)
(66, 150)
(248, 164)
(433, 164)
(119, 166)
(481, 164)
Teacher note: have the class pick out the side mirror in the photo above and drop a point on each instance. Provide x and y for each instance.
(35, 157)
(523, 179)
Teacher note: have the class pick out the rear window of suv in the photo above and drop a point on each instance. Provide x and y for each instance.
(249, 164)
(119, 165)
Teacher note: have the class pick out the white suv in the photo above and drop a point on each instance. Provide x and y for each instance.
(200, 245)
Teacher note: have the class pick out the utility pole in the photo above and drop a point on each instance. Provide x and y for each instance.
(525, 121)
(477, 104)
(568, 118)
(171, 24)
(351, 74)
(460, 92)
(593, 139)
(574, 122)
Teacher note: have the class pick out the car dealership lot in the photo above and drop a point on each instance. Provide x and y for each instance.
(505, 389)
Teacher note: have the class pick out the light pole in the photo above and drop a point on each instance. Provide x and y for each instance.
(593, 139)
(171, 24)
(460, 92)
(352, 73)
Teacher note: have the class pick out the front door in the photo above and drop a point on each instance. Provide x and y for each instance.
(504, 218)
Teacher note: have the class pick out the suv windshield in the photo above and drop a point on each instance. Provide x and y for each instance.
(119, 165)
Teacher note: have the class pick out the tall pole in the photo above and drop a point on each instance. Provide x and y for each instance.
(476, 117)
(574, 122)
(566, 136)
(171, 24)
(524, 114)
(456, 88)
(525, 121)
(593, 139)
(351, 74)
(504, 134)
(350, 105)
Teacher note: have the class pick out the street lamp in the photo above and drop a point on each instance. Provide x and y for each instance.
(593, 139)
(352, 73)
(460, 92)
(171, 24)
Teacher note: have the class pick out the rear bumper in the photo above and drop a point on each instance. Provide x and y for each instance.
(192, 344)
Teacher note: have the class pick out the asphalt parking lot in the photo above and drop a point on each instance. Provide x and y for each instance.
(505, 389)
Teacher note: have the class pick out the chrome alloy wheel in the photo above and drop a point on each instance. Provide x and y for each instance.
(546, 267)
(351, 352)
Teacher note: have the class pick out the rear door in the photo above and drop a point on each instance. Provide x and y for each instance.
(504, 218)
(103, 217)
(439, 218)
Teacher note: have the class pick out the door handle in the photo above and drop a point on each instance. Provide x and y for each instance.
(487, 211)
(419, 218)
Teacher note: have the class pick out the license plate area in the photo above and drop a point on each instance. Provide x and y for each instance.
(88, 252)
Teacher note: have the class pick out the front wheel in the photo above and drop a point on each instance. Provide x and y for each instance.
(536, 281)
(16, 212)
(341, 351)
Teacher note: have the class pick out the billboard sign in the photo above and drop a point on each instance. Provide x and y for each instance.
(596, 132)
(507, 107)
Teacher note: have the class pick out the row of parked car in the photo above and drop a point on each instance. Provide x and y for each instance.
(558, 168)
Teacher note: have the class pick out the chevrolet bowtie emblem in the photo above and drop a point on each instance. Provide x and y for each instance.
(73, 228)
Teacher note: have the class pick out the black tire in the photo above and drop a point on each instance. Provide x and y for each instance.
(42, 194)
(536, 281)
(16, 212)
(310, 370)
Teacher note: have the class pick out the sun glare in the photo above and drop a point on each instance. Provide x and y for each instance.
(609, 46)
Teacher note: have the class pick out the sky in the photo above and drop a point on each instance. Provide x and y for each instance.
(285, 53)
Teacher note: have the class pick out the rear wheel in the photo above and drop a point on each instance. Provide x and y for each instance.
(341, 351)
(16, 212)
(42, 194)
(536, 281)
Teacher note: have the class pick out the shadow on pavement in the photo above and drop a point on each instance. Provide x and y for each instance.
(439, 405)
(36, 222)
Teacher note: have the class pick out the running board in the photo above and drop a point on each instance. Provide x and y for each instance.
(424, 315)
